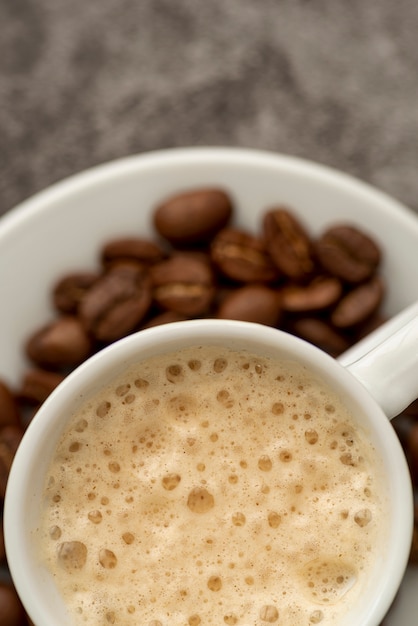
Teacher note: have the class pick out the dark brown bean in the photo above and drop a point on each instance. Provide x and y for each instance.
(11, 610)
(369, 325)
(411, 450)
(37, 384)
(347, 252)
(321, 293)
(116, 303)
(142, 251)
(242, 257)
(63, 342)
(183, 284)
(321, 334)
(413, 557)
(69, 290)
(359, 304)
(252, 303)
(412, 409)
(9, 411)
(289, 244)
(10, 438)
(2, 546)
(193, 216)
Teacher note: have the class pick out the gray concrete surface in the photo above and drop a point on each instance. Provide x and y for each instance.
(82, 83)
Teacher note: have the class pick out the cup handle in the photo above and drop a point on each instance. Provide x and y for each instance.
(376, 337)
(389, 370)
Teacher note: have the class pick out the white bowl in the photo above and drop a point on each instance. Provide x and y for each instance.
(63, 228)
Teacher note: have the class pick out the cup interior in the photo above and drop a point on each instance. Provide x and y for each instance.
(23, 498)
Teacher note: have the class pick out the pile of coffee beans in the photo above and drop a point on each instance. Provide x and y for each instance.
(326, 289)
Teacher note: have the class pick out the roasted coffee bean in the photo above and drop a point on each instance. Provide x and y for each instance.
(359, 304)
(11, 610)
(369, 325)
(402, 425)
(63, 342)
(242, 257)
(116, 303)
(184, 284)
(319, 294)
(412, 409)
(348, 253)
(413, 557)
(411, 450)
(37, 384)
(252, 303)
(69, 290)
(142, 251)
(321, 334)
(193, 216)
(2, 545)
(9, 411)
(289, 244)
(10, 438)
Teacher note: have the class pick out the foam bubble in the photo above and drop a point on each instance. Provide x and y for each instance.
(363, 517)
(274, 519)
(200, 500)
(95, 516)
(278, 408)
(103, 408)
(55, 532)
(285, 456)
(123, 389)
(141, 383)
(107, 558)
(72, 555)
(269, 613)
(171, 481)
(311, 436)
(316, 617)
(215, 583)
(265, 463)
(81, 425)
(174, 373)
(328, 579)
(225, 398)
(238, 519)
(219, 365)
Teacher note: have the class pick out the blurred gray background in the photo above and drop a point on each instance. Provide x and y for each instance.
(83, 82)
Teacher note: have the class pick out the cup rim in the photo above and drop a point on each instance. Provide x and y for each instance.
(168, 336)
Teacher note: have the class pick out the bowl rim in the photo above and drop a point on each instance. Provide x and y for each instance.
(44, 199)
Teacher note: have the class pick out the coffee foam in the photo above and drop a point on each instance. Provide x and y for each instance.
(212, 487)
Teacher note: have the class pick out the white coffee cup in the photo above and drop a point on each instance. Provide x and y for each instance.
(26, 482)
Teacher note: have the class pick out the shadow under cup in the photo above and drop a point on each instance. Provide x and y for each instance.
(24, 493)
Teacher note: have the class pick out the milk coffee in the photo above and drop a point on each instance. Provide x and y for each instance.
(210, 486)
